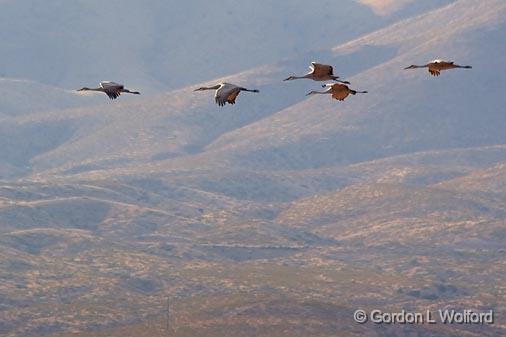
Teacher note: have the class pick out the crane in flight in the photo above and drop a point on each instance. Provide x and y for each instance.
(337, 90)
(111, 89)
(226, 92)
(435, 67)
(319, 72)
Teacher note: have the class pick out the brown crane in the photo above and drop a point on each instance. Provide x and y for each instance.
(338, 91)
(435, 67)
(319, 72)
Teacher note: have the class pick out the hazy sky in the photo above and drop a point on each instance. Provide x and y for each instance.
(164, 44)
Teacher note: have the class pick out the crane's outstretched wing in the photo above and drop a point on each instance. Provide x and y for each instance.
(112, 89)
(221, 97)
(112, 94)
(232, 96)
(223, 93)
(340, 91)
(321, 69)
(341, 95)
(221, 101)
(339, 87)
(111, 85)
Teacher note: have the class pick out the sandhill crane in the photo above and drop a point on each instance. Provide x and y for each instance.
(319, 72)
(338, 91)
(226, 92)
(111, 89)
(435, 67)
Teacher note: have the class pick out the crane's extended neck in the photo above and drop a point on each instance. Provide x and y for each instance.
(91, 89)
(317, 92)
(414, 66)
(208, 88)
(296, 77)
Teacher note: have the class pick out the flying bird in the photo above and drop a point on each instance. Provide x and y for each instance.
(435, 67)
(111, 89)
(319, 72)
(338, 91)
(226, 92)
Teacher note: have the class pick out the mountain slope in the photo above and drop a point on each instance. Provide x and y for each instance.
(278, 216)
(404, 111)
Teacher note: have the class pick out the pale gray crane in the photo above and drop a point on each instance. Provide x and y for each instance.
(226, 92)
(111, 89)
